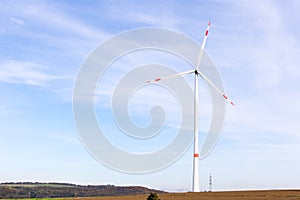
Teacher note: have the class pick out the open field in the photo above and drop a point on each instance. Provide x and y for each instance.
(241, 195)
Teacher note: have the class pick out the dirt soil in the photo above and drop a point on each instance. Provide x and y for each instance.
(240, 195)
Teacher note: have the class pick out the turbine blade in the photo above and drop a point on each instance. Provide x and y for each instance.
(216, 88)
(202, 46)
(171, 76)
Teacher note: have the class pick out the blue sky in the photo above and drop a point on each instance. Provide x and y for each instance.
(254, 44)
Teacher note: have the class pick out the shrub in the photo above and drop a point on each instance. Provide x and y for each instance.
(153, 196)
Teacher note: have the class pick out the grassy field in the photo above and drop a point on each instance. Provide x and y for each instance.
(247, 195)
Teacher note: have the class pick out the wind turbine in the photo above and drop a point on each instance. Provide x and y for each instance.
(197, 73)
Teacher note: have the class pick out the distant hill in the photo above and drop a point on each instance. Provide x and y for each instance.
(50, 190)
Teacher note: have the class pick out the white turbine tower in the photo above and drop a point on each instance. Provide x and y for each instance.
(197, 73)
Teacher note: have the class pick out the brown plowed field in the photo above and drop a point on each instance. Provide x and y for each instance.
(240, 195)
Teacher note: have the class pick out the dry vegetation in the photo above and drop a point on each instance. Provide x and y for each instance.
(247, 195)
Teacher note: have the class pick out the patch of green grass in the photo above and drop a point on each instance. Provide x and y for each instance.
(40, 199)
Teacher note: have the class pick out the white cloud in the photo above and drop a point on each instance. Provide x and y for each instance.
(265, 117)
(263, 73)
(25, 72)
(47, 15)
(273, 51)
(48, 24)
(16, 20)
(58, 20)
(143, 15)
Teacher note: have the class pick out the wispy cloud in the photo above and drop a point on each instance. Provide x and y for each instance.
(142, 14)
(48, 24)
(16, 20)
(49, 16)
(57, 19)
(270, 117)
(272, 53)
(260, 69)
(25, 73)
